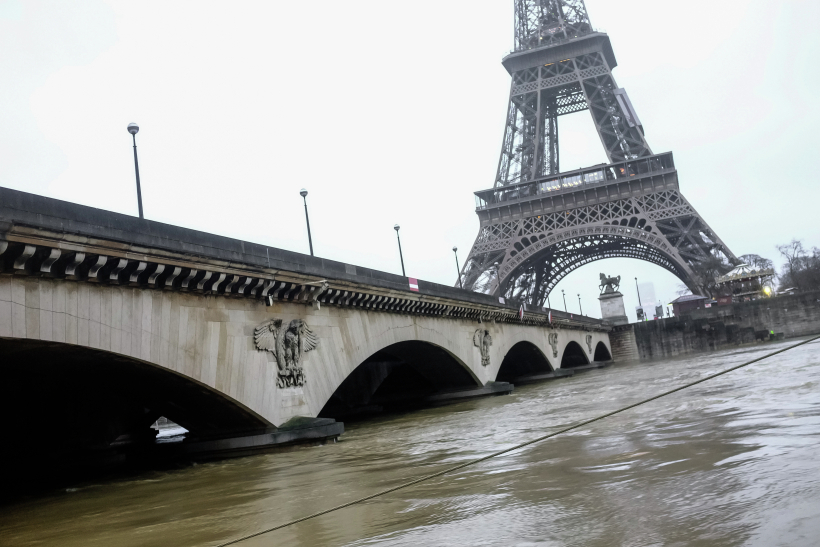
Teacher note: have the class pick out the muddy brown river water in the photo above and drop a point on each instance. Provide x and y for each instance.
(734, 461)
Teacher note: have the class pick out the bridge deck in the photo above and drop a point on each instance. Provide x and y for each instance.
(50, 237)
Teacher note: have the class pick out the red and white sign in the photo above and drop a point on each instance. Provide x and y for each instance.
(414, 284)
(550, 317)
(521, 312)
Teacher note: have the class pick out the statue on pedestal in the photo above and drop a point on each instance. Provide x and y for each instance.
(609, 284)
(612, 301)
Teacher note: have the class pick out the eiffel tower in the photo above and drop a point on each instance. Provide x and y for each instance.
(539, 224)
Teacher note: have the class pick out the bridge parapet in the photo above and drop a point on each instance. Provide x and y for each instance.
(51, 238)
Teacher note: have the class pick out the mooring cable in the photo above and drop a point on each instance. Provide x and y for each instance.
(516, 447)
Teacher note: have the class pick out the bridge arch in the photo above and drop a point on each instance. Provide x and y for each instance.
(64, 399)
(529, 274)
(602, 353)
(574, 355)
(523, 360)
(400, 375)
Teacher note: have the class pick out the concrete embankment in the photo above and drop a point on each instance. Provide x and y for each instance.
(720, 327)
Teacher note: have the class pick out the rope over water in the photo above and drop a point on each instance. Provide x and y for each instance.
(512, 449)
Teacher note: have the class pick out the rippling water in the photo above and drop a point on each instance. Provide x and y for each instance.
(734, 461)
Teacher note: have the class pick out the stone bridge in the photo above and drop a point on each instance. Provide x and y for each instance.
(108, 322)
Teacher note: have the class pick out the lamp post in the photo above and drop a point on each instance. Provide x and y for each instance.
(565, 300)
(304, 194)
(134, 129)
(458, 269)
(396, 227)
(579, 304)
(640, 304)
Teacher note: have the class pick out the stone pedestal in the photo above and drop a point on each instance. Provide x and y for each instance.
(612, 308)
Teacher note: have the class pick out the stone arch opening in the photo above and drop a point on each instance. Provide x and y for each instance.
(601, 353)
(523, 361)
(69, 407)
(401, 376)
(574, 356)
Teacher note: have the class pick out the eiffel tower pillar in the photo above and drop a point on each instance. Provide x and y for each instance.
(539, 224)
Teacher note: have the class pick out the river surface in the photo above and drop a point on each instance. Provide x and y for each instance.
(733, 461)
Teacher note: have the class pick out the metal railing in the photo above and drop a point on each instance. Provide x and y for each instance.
(572, 180)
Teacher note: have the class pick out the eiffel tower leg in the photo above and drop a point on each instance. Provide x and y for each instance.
(621, 141)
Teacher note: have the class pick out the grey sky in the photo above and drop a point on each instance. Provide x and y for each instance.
(393, 113)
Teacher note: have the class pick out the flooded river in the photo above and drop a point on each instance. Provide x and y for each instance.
(734, 461)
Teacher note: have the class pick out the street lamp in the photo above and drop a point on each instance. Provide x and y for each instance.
(565, 300)
(134, 129)
(458, 269)
(304, 193)
(579, 304)
(640, 304)
(396, 227)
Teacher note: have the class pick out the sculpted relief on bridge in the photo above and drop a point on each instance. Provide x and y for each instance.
(287, 342)
(482, 340)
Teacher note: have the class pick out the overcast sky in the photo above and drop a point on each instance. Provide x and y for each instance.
(393, 112)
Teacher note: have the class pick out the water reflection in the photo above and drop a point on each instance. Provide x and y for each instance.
(730, 462)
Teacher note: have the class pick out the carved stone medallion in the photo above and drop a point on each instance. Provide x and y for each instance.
(287, 343)
(483, 341)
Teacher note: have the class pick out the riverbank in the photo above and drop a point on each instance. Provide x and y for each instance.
(722, 327)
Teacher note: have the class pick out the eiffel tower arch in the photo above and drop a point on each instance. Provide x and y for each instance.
(538, 224)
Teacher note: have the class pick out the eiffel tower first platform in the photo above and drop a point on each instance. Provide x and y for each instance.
(539, 224)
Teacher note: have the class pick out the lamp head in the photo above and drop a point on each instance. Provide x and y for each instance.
(303, 192)
(133, 128)
(396, 227)
(455, 249)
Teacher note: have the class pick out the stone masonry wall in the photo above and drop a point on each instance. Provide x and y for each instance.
(725, 326)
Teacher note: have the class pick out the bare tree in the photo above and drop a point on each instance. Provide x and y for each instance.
(802, 268)
(792, 253)
(756, 261)
(708, 270)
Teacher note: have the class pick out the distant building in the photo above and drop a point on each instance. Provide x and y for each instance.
(688, 302)
(645, 311)
(743, 284)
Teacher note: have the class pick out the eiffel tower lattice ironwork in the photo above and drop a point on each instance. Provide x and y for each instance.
(538, 224)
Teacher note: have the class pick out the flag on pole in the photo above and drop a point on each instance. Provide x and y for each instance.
(521, 312)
